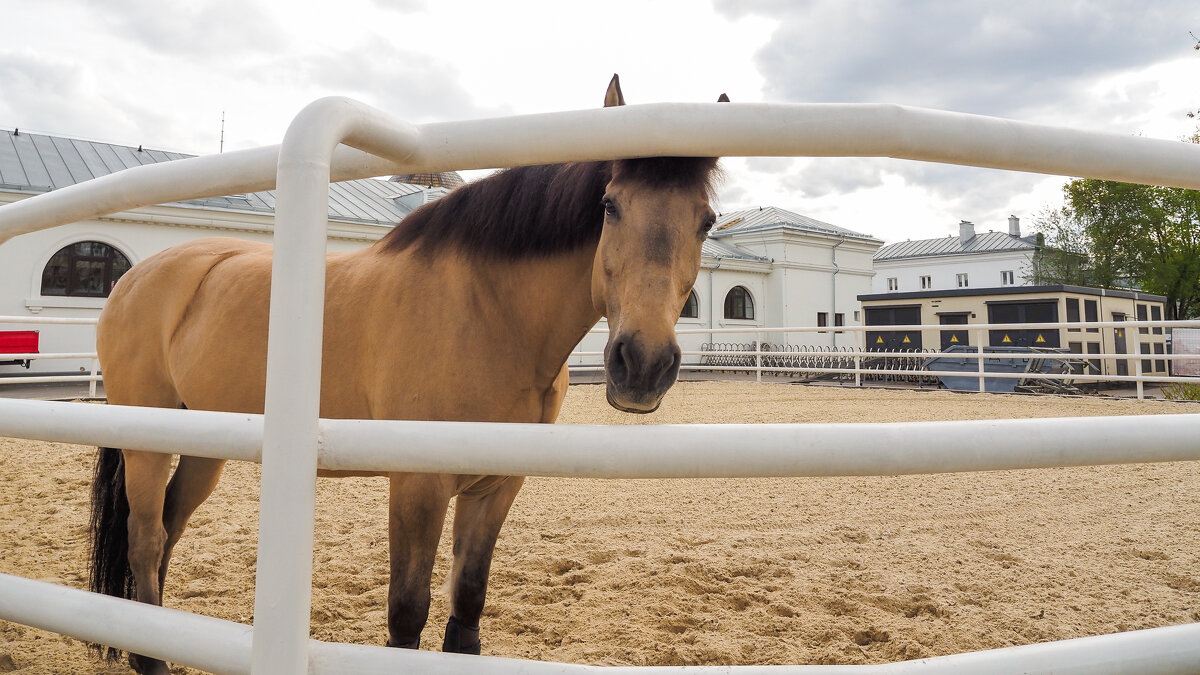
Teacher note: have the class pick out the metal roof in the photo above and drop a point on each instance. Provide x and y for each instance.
(40, 163)
(719, 249)
(985, 242)
(768, 217)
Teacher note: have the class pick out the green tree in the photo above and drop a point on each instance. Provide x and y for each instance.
(1146, 235)
(1064, 254)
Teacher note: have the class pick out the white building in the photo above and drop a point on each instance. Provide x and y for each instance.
(970, 260)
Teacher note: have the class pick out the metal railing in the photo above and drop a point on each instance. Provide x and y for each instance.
(293, 441)
(91, 378)
(859, 363)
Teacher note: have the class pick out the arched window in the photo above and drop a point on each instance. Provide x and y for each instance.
(85, 269)
(739, 304)
(691, 308)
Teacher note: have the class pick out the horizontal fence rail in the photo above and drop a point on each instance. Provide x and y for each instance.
(340, 139)
(640, 451)
(221, 646)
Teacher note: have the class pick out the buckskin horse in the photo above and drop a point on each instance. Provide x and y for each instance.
(467, 311)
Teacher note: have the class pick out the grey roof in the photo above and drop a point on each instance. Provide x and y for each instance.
(712, 248)
(40, 163)
(769, 217)
(985, 242)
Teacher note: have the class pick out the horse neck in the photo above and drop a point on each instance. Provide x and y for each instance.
(546, 301)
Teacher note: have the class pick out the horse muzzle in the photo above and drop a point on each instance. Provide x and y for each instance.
(637, 375)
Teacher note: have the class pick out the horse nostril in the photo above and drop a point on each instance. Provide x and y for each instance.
(670, 370)
(620, 363)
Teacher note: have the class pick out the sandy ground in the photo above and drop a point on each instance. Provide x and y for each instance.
(766, 571)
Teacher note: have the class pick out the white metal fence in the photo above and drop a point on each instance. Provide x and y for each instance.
(291, 441)
(91, 378)
(753, 358)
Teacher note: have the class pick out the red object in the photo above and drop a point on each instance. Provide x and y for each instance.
(18, 342)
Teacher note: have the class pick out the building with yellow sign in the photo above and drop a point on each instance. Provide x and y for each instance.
(948, 315)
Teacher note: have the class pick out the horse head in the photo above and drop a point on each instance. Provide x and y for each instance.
(656, 217)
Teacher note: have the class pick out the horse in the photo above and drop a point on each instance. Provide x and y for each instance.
(467, 310)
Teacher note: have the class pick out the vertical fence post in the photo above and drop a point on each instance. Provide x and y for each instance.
(979, 335)
(758, 356)
(92, 382)
(860, 343)
(1136, 347)
(283, 582)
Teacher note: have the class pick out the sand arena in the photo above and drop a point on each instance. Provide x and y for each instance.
(765, 571)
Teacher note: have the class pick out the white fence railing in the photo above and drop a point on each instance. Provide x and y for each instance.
(293, 440)
(755, 360)
(91, 378)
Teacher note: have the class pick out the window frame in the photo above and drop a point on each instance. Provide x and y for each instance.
(110, 260)
(731, 303)
(692, 301)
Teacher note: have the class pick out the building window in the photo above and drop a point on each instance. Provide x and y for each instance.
(739, 304)
(893, 284)
(926, 282)
(839, 319)
(1073, 312)
(822, 319)
(1006, 278)
(1091, 312)
(962, 280)
(85, 269)
(857, 316)
(691, 308)
(1156, 315)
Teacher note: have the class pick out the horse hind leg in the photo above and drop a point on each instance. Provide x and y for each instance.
(194, 480)
(479, 514)
(146, 475)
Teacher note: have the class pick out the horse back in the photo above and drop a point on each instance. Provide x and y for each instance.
(169, 314)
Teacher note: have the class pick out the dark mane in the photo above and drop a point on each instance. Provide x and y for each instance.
(535, 211)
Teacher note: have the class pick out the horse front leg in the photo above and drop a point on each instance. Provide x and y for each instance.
(478, 515)
(416, 513)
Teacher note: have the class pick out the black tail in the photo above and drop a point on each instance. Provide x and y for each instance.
(108, 570)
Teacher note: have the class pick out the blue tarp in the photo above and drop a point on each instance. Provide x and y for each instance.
(969, 366)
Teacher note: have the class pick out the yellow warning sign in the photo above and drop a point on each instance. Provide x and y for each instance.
(954, 338)
(906, 340)
(879, 340)
(1040, 338)
(1006, 339)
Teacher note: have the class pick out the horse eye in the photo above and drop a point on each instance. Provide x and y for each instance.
(708, 224)
(609, 207)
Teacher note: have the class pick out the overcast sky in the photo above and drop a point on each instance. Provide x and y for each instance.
(160, 74)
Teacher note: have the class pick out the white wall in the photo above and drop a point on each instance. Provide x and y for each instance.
(983, 271)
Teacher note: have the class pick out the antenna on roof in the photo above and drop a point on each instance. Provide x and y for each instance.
(221, 149)
(16, 132)
(139, 147)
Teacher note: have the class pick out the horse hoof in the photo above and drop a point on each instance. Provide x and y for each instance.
(144, 665)
(461, 638)
(411, 644)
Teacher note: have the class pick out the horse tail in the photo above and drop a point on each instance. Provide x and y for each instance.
(108, 569)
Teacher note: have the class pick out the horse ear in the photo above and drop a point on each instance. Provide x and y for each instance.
(613, 96)
(723, 99)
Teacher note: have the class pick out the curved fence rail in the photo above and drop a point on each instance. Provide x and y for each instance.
(342, 139)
